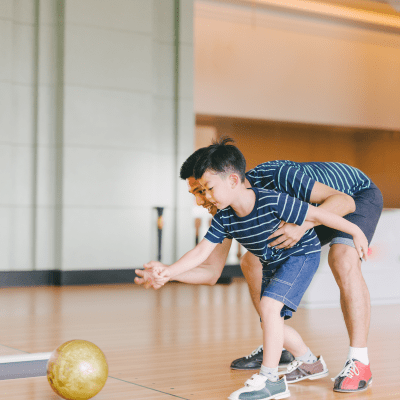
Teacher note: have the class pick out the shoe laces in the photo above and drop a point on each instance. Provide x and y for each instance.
(255, 380)
(293, 365)
(350, 370)
(255, 352)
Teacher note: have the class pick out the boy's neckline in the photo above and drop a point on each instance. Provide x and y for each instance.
(254, 209)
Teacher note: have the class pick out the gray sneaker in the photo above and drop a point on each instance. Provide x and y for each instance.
(259, 387)
(298, 370)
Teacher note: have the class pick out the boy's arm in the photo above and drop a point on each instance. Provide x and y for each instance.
(329, 199)
(333, 200)
(317, 215)
(210, 270)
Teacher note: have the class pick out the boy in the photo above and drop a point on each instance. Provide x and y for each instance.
(250, 216)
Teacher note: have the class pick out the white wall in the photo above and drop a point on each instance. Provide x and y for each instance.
(269, 64)
(90, 126)
(18, 105)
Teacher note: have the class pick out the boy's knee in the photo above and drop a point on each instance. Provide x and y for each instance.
(250, 263)
(244, 262)
(270, 305)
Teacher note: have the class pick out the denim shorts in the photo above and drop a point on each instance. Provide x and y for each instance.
(288, 281)
(369, 204)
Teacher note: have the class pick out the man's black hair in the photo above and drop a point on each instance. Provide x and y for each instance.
(187, 167)
(221, 157)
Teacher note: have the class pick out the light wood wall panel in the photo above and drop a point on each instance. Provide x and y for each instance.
(375, 152)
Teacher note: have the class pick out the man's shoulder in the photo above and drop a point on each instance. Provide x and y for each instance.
(271, 167)
(267, 166)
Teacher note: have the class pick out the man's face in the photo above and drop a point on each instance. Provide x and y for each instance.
(199, 193)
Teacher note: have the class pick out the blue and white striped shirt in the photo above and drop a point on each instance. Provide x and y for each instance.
(298, 179)
(253, 230)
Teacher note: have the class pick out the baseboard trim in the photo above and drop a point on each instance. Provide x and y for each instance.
(64, 278)
(87, 277)
(26, 369)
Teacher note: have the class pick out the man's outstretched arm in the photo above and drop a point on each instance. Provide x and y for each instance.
(207, 273)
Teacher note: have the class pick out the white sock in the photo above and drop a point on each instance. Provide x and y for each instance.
(270, 373)
(359, 353)
(307, 358)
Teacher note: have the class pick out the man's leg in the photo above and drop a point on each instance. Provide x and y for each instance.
(355, 303)
(252, 271)
(354, 295)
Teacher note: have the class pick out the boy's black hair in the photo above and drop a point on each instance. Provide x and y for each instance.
(187, 167)
(221, 157)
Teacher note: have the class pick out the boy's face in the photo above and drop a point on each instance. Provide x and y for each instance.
(199, 193)
(218, 189)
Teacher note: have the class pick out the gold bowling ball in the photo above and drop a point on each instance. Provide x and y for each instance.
(77, 370)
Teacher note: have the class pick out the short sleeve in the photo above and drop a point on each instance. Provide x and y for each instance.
(291, 210)
(294, 182)
(216, 233)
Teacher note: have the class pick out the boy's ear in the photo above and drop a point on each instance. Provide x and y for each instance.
(234, 180)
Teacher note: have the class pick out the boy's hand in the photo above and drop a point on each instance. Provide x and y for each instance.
(289, 235)
(147, 276)
(161, 275)
(361, 244)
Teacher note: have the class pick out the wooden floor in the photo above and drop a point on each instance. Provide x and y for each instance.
(178, 342)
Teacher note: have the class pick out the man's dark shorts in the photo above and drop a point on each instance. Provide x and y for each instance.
(369, 204)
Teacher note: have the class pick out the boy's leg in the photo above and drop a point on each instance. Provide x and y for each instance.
(266, 384)
(306, 365)
(282, 290)
(294, 342)
(272, 324)
(252, 271)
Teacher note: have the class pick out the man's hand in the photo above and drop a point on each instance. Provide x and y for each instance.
(150, 275)
(143, 278)
(289, 235)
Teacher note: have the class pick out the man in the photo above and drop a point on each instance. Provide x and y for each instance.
(338, 188)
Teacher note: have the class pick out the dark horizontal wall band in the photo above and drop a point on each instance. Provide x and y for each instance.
(88, 277)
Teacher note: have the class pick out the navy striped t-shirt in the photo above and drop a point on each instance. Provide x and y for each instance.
(298, 179)
(253, 230)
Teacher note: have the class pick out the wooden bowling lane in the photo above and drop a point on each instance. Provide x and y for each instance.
(38, 388)
(178, 342)
(9, 351)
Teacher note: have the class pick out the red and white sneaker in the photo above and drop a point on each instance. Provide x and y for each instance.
(354, 377)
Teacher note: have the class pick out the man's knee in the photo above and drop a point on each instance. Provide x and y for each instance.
(344, 263)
